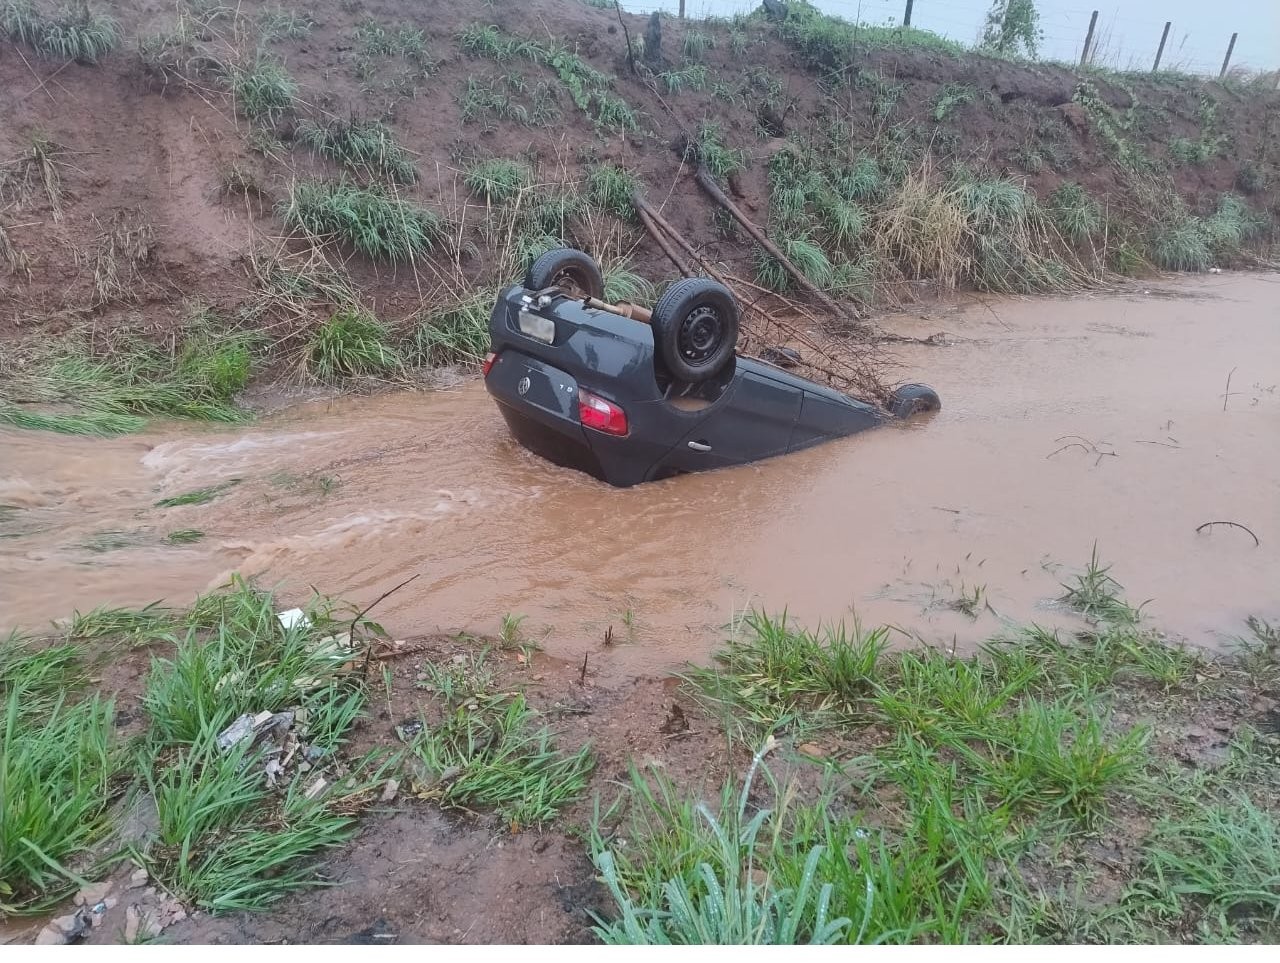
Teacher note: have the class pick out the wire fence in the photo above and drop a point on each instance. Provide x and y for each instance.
(1122, 39)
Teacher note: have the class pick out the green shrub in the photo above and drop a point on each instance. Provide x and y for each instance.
(380, 227)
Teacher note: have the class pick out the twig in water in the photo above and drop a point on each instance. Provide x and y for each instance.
(1227, 393)
(1256, 542)
(1085, 445)
(582, 674)
(368, 649)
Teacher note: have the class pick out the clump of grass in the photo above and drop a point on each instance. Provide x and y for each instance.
(586, 86)
(76, 33)
(713, 895)
(225, 839)
(456, 333)
(199, 496)
(483, 98)
(498, 180)
(860, 181)
(363, 145)
(196, 376)
(775, 674)
(379, 226)
(458, 681)
(1056, 756)
(832, 44)
(497, 756)
(1181, 244)
(102, 424)
(263, 90)
(691, 77)
(1252, 178)
(352, 343)
(20, 22)
(708, 148)
(623, 283)
(408, 42)
(1231, 225)
(184, 536)
(58, 773)
(611, 189)
(277, 23)
(696, 43)
(1077, 216)
(1096, 595)
(1217, 866)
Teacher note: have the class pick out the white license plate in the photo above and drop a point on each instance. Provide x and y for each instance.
(537, 327)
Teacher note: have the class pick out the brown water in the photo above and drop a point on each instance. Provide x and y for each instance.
(892, 525)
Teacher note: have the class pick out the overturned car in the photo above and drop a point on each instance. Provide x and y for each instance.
(631, 395)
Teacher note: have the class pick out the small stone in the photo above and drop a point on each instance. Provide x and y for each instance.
(71, 924)
(108, 903)
(131, 923)
(93, 894)
(389, 790)
(149, 891)
(812, 749)
(50, 936)
(139, 878)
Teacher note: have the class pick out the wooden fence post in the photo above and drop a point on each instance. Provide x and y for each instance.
(906, 17)
(1088, 39)
(1226, 61)
(1160, 50)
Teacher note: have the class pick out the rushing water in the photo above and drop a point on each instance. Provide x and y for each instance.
(1064, 422)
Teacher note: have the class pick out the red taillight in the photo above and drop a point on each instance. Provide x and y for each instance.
(487, 363)
(601, 415)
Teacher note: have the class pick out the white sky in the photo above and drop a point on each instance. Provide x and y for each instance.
(1128, 30)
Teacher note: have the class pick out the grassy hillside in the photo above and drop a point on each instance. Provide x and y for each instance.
(345, 184)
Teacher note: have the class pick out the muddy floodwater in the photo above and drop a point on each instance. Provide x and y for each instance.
(1064, 422)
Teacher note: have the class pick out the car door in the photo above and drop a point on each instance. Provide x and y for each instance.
(754, 421)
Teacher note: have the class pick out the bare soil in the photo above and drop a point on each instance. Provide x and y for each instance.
(142, 151)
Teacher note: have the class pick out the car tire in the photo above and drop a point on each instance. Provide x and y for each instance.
(911, 400)
(695, 329)
(568, 269)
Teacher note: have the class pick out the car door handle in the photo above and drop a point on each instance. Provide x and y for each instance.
(699, 446)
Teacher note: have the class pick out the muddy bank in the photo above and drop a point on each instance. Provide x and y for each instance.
(1064, 422)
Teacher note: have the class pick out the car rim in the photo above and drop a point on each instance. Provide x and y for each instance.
(700, 335)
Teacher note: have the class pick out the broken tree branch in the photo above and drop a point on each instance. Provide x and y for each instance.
(643, 209)
(368, 649)
(626, 35)
(1257, 543)
(708, 184)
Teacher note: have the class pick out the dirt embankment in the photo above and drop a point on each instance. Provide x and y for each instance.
(161, 188)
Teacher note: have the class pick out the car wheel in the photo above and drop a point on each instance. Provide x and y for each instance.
(574, 272)
(911, 400)
(695, 327)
